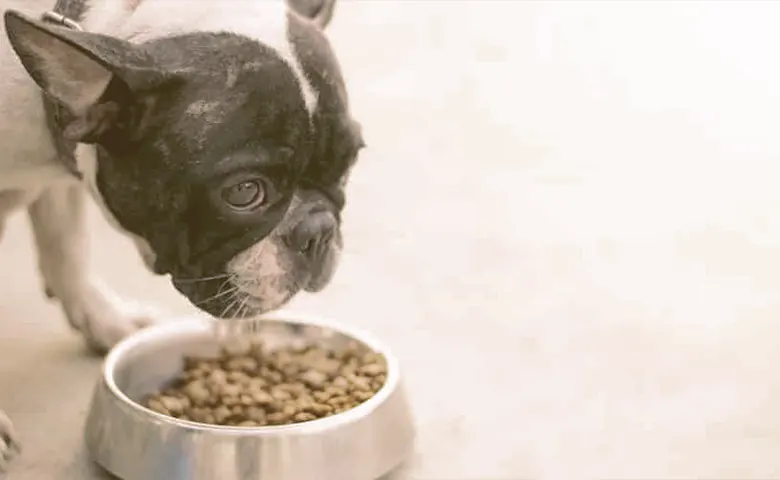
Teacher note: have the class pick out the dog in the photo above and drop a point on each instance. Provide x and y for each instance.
(216, 134)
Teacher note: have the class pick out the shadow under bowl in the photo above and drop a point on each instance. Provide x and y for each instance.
(136, 443)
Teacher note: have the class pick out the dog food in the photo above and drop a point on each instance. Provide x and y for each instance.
(252, 386)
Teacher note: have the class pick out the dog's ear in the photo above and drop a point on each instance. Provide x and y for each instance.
(76, 69)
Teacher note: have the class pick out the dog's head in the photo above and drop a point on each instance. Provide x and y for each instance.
(225, 160)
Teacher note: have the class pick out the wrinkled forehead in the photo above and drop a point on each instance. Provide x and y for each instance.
(232, 89)
(225, 64)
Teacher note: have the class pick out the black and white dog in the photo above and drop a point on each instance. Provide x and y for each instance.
(214, 133)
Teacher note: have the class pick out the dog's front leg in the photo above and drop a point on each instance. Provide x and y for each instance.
(103, 318)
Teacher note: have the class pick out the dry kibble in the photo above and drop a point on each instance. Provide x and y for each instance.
(362, 396)
(289, 410)
(277, 418)
(238, 377)
(252, 386)
(157, 406)
(336, 391)
(262, 397)
(322, 397)
(222, 413)
(304, 417)
(340, 382)
(340, 400)
(280, 395)
(173, 405)
(360, 383)
(274, 377)
(372, 369)
(314, 378)
(217, 377)
(231, 390)
(256, 414)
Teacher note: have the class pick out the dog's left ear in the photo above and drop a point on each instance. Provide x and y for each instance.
(76, 69)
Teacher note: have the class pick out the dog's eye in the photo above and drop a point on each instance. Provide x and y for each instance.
(245, 195)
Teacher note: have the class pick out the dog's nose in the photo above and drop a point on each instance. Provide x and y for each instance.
(313, 234)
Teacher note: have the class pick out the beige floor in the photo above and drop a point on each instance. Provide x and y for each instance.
(567, 226)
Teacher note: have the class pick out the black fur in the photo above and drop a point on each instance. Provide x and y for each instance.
(188, 115)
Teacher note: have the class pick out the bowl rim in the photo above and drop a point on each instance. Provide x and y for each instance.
(199, 323)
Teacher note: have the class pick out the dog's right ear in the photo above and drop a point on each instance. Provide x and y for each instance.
(76, 68)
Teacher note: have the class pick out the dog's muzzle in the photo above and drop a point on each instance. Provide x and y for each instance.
(313, 235)
(301, 253)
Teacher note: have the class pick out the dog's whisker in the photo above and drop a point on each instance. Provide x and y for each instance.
(205, 279)
(244, 305)
(233, 301)
(217, 295)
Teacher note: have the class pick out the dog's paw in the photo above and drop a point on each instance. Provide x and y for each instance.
(9, 442)
(103, 318)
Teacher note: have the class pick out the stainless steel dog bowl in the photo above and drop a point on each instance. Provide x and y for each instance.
(135, 443)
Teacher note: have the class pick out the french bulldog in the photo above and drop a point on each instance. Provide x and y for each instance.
(216, 134)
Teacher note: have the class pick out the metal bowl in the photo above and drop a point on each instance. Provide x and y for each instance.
(135, 443)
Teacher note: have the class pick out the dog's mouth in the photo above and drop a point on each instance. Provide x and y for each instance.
(261, 279)
(300, 254)
(227, 296)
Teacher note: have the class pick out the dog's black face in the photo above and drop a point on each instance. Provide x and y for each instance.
(209, 152)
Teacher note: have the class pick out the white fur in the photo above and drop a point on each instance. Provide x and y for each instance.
(261, 20)
(31, 172)
(258, 272)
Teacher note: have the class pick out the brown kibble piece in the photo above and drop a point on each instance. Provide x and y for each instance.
(256, 414)
(360, 384)
(376, 385)
(289, 410)
(340, 382)
(362, 396)
(252, 386)
(172, 405)
(262, 398)
(157, 406)
(322, 397)
(237, 377)
(221, 413)
(280, 395)
(231, 390)
(314, 378)
(217, 377)
(372, 369)
(277, 418)
(304, 417)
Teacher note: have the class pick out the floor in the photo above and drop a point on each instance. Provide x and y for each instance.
(566, 226)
